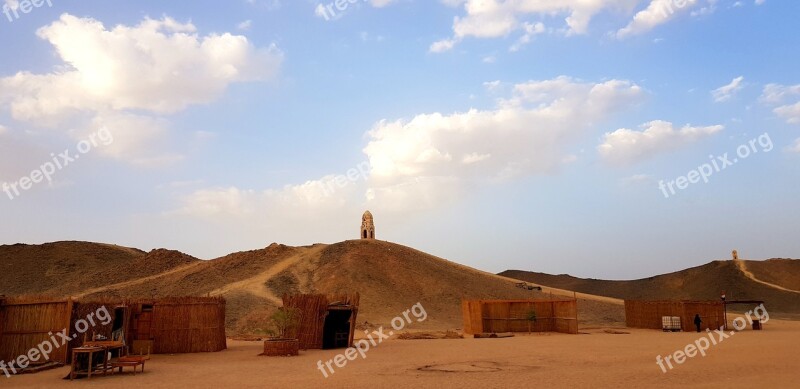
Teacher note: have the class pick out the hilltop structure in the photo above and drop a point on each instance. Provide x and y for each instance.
(367, 226)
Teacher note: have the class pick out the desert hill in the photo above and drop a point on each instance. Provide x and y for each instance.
(776, 281)
(390, 278)
(64, 267)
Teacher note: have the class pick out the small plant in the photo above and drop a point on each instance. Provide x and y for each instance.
(284, 321)
(531, 317)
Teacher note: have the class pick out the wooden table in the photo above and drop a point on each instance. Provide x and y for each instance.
(93, 347)
(110, 347)
(84, 350)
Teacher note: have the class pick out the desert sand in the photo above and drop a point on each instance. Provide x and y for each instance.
(595, 358)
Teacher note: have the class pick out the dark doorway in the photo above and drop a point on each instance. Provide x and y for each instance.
(365, 234)
(118, 327)
(336, 333)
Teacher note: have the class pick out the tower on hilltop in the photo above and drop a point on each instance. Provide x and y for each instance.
(367, 226)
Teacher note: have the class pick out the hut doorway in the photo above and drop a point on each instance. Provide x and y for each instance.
(120, 324)
(336, 331)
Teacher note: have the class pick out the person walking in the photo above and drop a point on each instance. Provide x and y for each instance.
(697, 321)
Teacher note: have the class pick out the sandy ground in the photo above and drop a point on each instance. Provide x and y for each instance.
(595, 359)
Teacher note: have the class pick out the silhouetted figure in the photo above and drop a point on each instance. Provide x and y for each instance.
(697, 321)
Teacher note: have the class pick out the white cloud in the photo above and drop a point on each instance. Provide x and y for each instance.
(789, 112)
(156, 68)
(531, 30)
(777, 95)
(637, 179)
(795, 147)
(525, 134)
(625, 146)
(499, 18)
(493, 86)
(724, 93)
(245, 25)
(303, 201)
(442, 46)
(705, 10)
(433, 158)
(657, 13)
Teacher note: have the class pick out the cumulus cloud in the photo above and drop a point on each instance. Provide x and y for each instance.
(724, 93)
(112, 75)
(429, 160)
(526, 134)
(625, 146)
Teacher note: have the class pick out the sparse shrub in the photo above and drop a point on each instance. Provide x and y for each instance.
(531, 317)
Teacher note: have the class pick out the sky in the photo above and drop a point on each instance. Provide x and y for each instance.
(614, 139)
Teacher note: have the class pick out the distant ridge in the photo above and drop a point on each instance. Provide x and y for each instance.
(776, 281)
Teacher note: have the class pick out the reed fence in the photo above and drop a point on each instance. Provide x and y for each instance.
(648, 314)
(496, 316)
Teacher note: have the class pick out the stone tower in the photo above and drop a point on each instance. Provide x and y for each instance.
(367, 226)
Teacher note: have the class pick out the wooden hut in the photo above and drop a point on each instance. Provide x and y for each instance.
(174, 325)
(495, 316)
(648, 314)
(325, 322)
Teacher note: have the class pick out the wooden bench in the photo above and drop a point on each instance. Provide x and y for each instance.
(129, 361)
(133, 360)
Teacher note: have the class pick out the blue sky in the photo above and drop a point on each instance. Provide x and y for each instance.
(554, 136)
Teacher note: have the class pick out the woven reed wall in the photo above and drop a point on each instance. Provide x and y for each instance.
(512, 316)
(648, 314)
(180, 325)
(188, 325)
(312, 310)
(25, 324)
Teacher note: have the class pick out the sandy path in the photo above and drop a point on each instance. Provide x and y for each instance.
(749, 359)
(743, 267)
(139, 281)
(257, 284)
